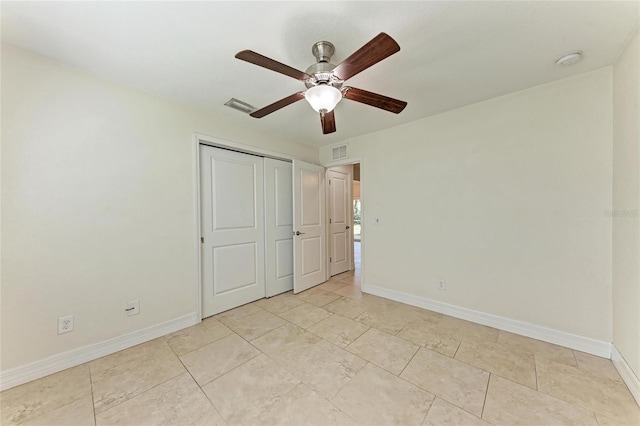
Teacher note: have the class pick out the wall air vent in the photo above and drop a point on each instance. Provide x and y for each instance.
(240, 106)
(339, 152)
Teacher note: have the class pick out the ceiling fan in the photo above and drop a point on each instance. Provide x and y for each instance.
(324, 80)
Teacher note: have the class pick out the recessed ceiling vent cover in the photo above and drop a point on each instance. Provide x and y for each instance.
(240, 106)
(339, 152)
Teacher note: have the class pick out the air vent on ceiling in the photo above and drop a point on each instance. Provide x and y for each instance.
(240, 106)
(339, 152)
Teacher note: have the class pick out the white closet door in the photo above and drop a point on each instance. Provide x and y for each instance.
(279, 226)
(309, 241)
(232, 203)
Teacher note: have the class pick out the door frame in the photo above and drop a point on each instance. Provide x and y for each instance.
(201, 139)
(346, 162)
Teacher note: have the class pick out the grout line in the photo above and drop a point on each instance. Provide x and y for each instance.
(457, 349)
(535, 370)
(424, 419)
(227, 372)
(412, 357)
(350, 378)
(93, 401)
(486, 392)
(575, 358)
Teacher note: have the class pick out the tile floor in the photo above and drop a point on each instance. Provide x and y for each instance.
(330, 355)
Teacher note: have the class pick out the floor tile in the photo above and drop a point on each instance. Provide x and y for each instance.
(454, 381)
(588, 390)
(317, 297)
(427, 333)
(331, 285)
(324, 366)
(597, 365)
(537, 348)
(283, 344)
(303, 406)
(245, 392)
(130, 354)
(213, 419)
(192, 338)
(351, 291)
(339, 330)
(351, 279)
(305, 315)
(348, 308)
(239, 312)
(468, 330)
(442, 333)
(386, 351)
(280, 303)
(215, 359)
(519, 367)
(377, 397)
(607, 421)
(444, 413)
(39, 397)
(79, 412)
(388, 319)
(178, 401)
(513, 404)
(115, 385)
(254, 325)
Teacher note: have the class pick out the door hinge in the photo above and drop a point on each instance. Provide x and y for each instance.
(329, 221)
(330, 260)
(202, 240)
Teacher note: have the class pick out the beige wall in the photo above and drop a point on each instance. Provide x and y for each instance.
(507, 202)
(626, 205)
(97, 205)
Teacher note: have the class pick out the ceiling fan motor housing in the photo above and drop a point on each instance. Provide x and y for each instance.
(321, 71)
(323, 51)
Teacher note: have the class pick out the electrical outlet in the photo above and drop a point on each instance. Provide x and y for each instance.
(133, 308)
(442, 285)
(65, 324)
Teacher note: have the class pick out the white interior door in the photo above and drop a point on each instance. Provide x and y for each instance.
(279, 226)
(339, 221)
(309, 241)
(232, 204)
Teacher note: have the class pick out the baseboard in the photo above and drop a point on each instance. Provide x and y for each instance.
(569, 340)
(53, 364)
(627, 374)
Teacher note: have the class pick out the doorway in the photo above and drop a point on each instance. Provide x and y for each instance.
(345, 216)
(340, 223)
(357, 220)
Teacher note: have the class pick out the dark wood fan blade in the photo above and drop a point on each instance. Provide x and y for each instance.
(380, 47)
(277, 105)
(328, 120)
(268, 63)
(379, 101)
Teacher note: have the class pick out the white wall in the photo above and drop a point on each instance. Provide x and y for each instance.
(626, 205)
(504, 199)
(97, 205)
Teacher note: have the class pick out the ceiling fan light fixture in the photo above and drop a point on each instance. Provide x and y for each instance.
(323, 97)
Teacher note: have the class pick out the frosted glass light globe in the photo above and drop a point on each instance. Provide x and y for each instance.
(323, 97)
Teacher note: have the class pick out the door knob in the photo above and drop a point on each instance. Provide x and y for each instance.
(348, 227)
(299, 233)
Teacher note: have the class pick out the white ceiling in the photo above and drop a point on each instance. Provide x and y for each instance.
(452, 53)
